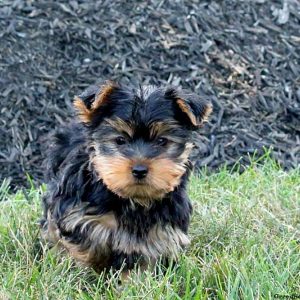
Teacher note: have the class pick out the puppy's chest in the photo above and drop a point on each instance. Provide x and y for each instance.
(139, 231)
(151, 238)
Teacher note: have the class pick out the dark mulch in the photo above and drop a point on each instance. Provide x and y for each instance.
(243, 54)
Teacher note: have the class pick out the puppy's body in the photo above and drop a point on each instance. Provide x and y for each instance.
(117, 179)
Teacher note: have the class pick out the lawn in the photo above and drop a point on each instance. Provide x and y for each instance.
(245, 236)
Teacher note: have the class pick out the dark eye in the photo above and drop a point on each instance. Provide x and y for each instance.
(120, 140)
(162, 141)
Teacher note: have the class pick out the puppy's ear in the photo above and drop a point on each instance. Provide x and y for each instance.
(92, 100)
(190, 107)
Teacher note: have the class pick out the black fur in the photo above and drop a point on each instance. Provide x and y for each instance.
(72, 181)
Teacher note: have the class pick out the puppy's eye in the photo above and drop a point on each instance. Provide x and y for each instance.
(120, 140)
(162, 141)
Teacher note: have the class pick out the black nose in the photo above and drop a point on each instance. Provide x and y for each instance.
(139, 171)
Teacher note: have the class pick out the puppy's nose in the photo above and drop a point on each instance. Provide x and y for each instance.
(139, 171)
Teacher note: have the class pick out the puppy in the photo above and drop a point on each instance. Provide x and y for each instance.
(117, 177)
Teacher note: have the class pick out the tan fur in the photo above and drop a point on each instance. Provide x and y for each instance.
(164, 175)
(121, 126)
(86, 115)
(187, 151)
(196, 120)
(185, 108)
(103, 96)
(159, 128)
(93, 251)
(82, 216)
(52, 233)
(96, 255)
(166, 241)
(105, 235)
(156, 128)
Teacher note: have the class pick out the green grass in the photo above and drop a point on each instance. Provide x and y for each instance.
(245, 245)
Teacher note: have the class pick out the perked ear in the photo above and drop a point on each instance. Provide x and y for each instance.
(92, 100)
(195, 109)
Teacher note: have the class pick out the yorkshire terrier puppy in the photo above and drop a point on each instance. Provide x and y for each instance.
(117, 177)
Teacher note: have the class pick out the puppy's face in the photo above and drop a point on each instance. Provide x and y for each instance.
(141, 138)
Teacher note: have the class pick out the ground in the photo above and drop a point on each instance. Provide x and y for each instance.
(245, 236)
(243, 54)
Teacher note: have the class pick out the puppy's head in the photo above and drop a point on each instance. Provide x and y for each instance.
(140, 137)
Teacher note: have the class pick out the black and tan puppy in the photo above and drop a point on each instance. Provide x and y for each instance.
(117, 178)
